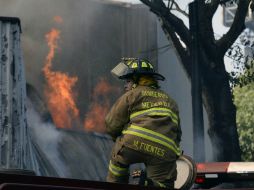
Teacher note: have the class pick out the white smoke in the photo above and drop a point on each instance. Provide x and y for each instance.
(47, 137)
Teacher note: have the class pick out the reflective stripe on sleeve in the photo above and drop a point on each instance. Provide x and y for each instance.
(161, 184)
(153, 136)
(156, 111)
(118, 171)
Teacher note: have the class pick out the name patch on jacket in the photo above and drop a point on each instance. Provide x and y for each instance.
(149, 148)
(154, 94)
(155, 104)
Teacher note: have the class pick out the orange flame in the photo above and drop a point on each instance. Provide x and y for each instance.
(59, 96)
(94, 120)
(58, 92)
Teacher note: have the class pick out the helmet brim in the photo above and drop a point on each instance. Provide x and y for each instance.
(156, 76)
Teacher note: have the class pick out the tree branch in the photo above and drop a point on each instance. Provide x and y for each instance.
(172, 3)
(212, 7)
(183, 52)
(236, 28)
(177, 8)
(159, 8)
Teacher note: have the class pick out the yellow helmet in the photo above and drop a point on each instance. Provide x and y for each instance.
(130, 67)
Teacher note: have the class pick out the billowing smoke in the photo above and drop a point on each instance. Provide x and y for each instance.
(47, 138)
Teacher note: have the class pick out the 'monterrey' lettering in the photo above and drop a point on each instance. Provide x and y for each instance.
(154, 94)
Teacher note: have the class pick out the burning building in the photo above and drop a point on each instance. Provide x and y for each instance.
(68, 56)
(92, 37)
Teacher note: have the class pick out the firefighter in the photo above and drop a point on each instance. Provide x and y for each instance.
(144, 123)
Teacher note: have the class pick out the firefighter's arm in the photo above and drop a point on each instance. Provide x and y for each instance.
(179, 130)
(179, 134)
(118, 117)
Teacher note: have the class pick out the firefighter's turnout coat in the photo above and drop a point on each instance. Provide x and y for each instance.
(146, 120)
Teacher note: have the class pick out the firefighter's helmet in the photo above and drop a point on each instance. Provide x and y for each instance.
(130, 67)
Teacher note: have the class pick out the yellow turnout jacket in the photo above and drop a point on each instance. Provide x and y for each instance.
(147, 120)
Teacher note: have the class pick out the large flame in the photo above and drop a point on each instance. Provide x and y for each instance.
(94, 120)
(60, 97)
(58, 92)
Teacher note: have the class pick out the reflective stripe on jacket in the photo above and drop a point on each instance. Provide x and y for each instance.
(154, 137)
(147, 120)
(157, 111)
